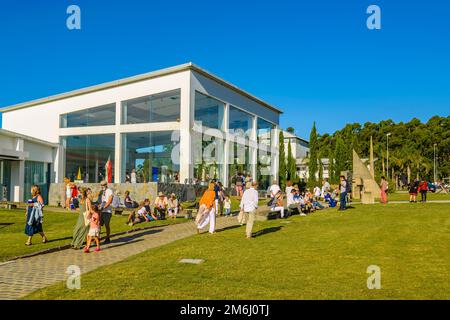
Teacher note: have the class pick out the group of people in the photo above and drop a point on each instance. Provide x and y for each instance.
(416, 187)
(162, 206)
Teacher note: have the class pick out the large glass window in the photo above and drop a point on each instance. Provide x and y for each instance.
(36, 173)
(209, 111)
(264, 132)
(98, 116)
(87, 157)
(240, 122)
(161, 107)
(149, 154)
(5, 180)
(263, 170)
(239, 161)
(208, 157)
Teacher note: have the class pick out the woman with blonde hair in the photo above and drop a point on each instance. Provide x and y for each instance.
(35, 215)
(206, 212)
(81, 229)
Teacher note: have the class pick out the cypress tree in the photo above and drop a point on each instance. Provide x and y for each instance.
(282, 162)
(313, 154)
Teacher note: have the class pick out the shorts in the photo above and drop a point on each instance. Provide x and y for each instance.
(149, 217)
(105, 218)
(94, 233)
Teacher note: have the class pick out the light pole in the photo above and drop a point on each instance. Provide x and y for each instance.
(387, 154)
(435, 172)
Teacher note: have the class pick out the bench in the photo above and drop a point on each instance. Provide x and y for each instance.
(12, 205)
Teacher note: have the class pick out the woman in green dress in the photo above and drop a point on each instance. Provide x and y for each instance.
(81, 229)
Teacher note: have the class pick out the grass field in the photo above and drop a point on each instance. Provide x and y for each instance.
(322, 256)
(58, 227)
(430, 196)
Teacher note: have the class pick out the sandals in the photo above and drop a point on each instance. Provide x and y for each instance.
(44, 240)
(28, 243)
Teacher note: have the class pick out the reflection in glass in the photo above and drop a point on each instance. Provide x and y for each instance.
(208, 157)
(240, 122)
(161, 107)
(209, 111)
(86, 156)
(98, 116)
(150, 155)
(239, 157)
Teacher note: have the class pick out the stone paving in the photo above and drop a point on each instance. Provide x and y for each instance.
(21, 277)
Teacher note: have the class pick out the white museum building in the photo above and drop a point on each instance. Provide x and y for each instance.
(180, 124)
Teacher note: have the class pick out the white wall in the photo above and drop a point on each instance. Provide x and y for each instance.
(42, 121)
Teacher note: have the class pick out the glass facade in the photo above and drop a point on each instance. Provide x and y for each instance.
(240, 123)
(208, 157)
(263, 170)
(98, 116)
(36, 173)
(264, 132)
(5, 180)
(87, 156)
(150, 155)
(161, 107)
(209, 111)
(239, 161)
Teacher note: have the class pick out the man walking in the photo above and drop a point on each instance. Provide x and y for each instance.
(343, 193)
(249, 204)
(106, 209)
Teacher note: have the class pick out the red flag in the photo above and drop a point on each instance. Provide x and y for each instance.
(108, 170)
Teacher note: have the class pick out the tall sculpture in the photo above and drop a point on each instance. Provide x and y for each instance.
(364, 185)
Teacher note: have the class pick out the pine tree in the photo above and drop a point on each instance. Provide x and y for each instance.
(291, 164)
(313, 154)
(331, 174)
(282, 162)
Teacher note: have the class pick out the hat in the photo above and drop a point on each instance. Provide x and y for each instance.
(160, 194)
(104, 183)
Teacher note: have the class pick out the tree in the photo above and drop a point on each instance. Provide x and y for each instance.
(291, 164)
(331, 174)
(313, 153)
(340, 158)
(282, 162)
(290, 130)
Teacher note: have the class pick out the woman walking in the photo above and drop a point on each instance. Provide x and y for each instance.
(35, 215)
(384, 186)
(206, 212)
(82, 227)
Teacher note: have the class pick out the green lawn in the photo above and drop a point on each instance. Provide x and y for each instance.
(58, 227)
(322, 256)
(430, 196)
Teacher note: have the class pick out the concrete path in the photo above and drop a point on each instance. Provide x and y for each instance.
(22, 277)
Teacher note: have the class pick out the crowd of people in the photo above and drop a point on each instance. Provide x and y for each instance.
(296, 199)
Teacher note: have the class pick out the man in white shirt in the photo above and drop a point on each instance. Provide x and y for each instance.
(274, 189)
(249, 204)
(106, 209)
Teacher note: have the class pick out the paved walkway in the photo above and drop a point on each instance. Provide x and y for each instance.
(22, 277)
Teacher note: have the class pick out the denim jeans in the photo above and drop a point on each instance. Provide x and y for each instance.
(342, 199)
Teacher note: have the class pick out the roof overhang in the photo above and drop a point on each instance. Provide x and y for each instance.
(138, 78)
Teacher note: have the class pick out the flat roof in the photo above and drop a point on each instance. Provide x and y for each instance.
(28, 138)
(138, 78)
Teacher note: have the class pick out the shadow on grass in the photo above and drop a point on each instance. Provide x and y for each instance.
(267, 231)
(60, 239)
(7, 224)
(130, 238)
(228, 228)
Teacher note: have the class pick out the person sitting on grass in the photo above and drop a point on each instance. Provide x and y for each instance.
(94, 229)
(173, 206)
(129, 203)
(328, 199)
(161, 205)
(143, 214)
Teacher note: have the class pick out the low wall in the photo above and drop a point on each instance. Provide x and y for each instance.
(138, 191)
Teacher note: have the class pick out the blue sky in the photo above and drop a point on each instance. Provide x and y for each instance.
(316, 60)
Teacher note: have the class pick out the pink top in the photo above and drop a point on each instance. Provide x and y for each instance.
(95, 223)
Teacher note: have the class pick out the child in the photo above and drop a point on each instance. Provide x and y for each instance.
(94, 229)
(227, 206)
(143, 214)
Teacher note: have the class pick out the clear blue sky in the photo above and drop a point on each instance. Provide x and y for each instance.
(316, 60)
